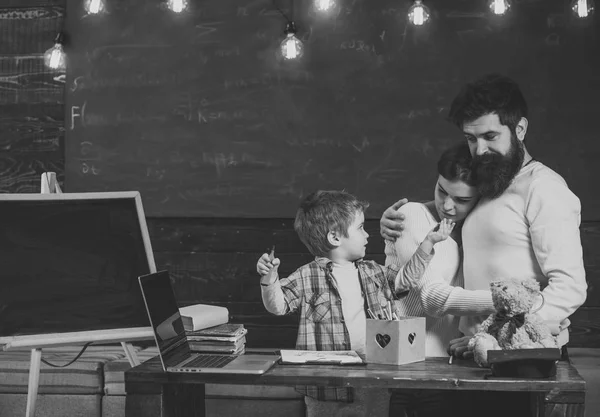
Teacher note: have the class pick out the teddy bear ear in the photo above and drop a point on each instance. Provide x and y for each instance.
(531, 284)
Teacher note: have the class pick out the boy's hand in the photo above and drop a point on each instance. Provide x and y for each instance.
(267, 268)
(392, 222)
(441, 231)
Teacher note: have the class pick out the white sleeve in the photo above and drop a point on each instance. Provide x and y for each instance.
(405, 251)
(273, 298)
(554, 216)
(432, 281)
(284, 295)
(439, 297)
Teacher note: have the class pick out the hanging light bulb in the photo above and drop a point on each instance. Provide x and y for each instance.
(94, 6)
(177, 6)
(499, 7)
(323, 5)
(55, 57)
(418, 14)
(583, 8)
(291, 46)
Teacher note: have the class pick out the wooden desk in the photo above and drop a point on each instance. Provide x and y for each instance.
(183, 394)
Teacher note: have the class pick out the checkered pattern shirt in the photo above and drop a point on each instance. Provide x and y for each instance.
(313, 292)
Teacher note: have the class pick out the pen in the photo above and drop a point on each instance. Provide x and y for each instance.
(450, 360)
(370, 313)
(272, 254)
(270, 276)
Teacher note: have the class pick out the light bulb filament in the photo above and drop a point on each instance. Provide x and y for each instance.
(323, 5)
(499, 7)
(95, 6)
(177, 5)
(418, 16)
(582, 8)
(55, 58)
(291, 49)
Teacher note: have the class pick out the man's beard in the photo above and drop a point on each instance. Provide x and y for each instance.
(494, 172)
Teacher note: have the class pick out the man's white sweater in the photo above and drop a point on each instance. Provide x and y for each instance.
(530, 231)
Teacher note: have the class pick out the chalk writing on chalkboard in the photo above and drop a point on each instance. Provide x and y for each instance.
(199, 114)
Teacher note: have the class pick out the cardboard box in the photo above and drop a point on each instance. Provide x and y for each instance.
(396, 342)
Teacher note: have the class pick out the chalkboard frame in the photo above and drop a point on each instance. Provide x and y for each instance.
(111, 334)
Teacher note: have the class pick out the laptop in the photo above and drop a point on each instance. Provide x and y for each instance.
(173, 347)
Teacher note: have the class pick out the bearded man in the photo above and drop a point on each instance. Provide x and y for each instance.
(526, 224)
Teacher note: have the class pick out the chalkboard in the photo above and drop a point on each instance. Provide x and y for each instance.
(70, 263)
(198, 113)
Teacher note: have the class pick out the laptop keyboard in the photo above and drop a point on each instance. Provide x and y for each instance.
(209, 361)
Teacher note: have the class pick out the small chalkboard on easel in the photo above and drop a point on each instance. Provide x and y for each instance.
(71, 278)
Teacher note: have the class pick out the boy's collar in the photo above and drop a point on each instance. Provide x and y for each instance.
(327, 263)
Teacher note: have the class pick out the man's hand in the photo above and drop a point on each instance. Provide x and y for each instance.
(392, 222)
(554, 327)
(459, 348)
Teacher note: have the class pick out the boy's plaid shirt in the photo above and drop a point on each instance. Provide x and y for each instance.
(313, 292)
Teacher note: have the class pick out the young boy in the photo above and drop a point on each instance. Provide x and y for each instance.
(333, 292)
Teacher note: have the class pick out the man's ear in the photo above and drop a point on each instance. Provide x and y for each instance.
(334, 239)
(521, 129)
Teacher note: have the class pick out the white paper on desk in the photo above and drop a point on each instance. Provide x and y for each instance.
(326, 357)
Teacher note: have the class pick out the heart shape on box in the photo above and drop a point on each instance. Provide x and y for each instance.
(383, 339)
(411, 337)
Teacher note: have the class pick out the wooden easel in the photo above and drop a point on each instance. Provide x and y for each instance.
(49, 184)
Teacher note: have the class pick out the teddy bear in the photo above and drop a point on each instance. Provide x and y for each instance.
(513, 325)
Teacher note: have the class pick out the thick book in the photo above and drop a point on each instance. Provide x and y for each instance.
(232, 350)
(228, 330)
(202, 316)
(207, 343)
(321, 357)
(220, 346)
(217, 339)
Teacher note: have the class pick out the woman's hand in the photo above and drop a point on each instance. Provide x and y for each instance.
(460, 347)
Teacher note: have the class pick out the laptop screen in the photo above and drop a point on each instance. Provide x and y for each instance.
(165, 318)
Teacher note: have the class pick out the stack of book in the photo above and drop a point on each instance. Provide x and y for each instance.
(227, 338)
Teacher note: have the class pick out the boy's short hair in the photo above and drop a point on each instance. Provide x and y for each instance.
(322, 212)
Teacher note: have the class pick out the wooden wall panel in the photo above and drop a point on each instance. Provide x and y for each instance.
(30, 128)
(214, 261)
(590, 239)
(29, 30)
(31, 96)
(21, 174)
(24, 81)
(19, 4)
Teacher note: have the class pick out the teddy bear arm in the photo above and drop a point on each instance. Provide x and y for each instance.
(480, 344)
(538, 331)
(485, 325)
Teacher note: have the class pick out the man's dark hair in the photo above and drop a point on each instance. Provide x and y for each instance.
(492, 93)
